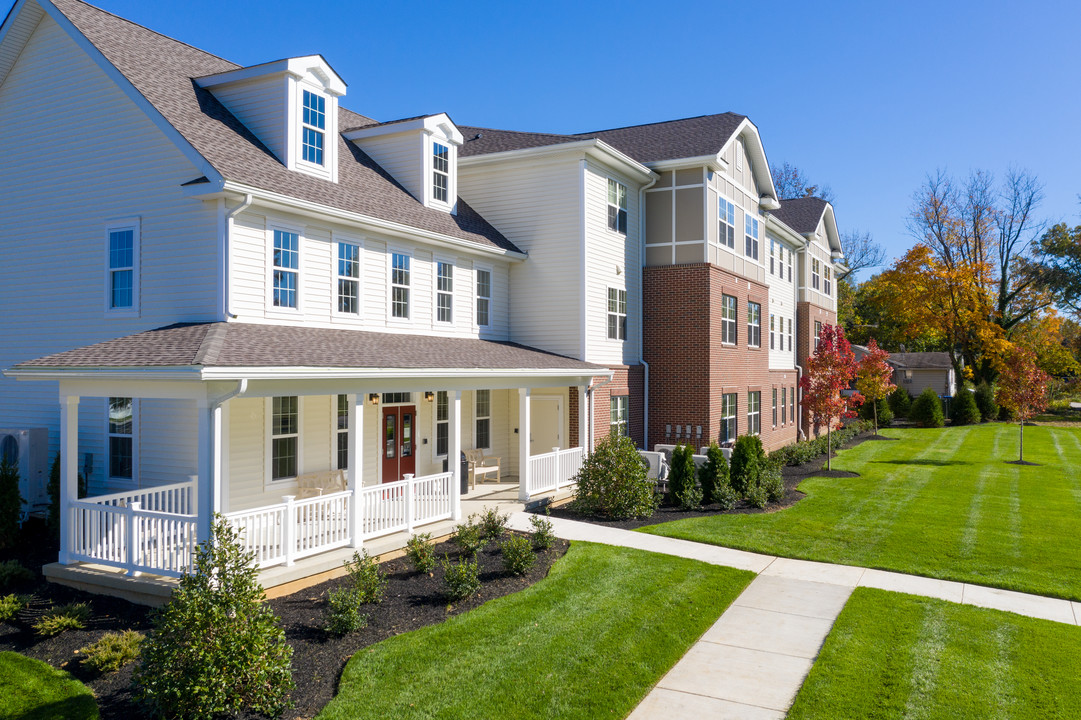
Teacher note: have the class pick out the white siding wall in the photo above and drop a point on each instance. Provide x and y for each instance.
(402, 156)
(782, 305)
(819, 249)
(261, 105)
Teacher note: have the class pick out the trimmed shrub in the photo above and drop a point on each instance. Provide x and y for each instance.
(493, 524)
(344, 611)
(215, 648)
(747, 459)
(13, 574)
(468, 536)
(900, 402)
(543, 537)
(985, 401)
(772, 481)
(807, 450)
(73, 616)
(367, 577)
(420, 552)
(926, 411)
(11, 504)
(963, 409)
(10, 605)
(518, 555)
(460, 579)
(683, 487)
(713, 477)
(612, 482)
(885, 414)
(112, 651)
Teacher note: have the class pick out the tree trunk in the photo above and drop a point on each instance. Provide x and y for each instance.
(829, 444)
(875, 406)
(1021, 453)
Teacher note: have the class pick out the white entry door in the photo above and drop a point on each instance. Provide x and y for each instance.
(546, 424)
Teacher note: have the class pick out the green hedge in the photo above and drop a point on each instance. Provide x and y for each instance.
(807, 450)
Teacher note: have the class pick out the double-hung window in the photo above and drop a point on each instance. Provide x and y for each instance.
(815, 273)
(440, 172)
(772, 248)
(314, 127)
(483, 438)
(341, 430)
(284, 437)
(444, 292)
(728, 417)
(484, 298)
(818, 332)
(442, 423)
(121, 438)
(750, 227)
(728, 319)
(790, 334)
(789, 266)
(754, 324)
(286, 268)
(619, 413)
(784, 405)
(774, 407)
(792, 403)
(617, 314)
(348, 278)
(123, 279)
(754, 413)
(726, 212)
(826, 284)
(399, 285)
(617, 206)
(772, 320)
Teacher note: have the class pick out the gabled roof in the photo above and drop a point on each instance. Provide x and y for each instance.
(802, 214)
(921, 360)
(673, 139)
(485, 141)
(162, 70)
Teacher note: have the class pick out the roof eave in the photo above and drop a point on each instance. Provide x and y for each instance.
(598, 149)
(354, 373)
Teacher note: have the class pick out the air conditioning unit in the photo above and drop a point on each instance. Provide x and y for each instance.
(28, 450)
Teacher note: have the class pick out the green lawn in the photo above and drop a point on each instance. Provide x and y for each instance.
(588, 641)
(942, 503)
(899, 656)
(33, 690)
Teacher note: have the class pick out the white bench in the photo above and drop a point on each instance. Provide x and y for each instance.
(479, 465)
(324, 482)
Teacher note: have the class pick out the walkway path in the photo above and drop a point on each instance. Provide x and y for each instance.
(754, 659)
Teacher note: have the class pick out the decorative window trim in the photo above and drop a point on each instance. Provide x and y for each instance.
(478, 418)
(391, 285)
(134, 224)
(616, 315)
(619, 415)
(431, 171)
(729, 325)
(617, 206)
(477, 270)
(339, 278)
(754, 412)
(119, 480)
(441, 396)
(440, 295)
(726, 223)
(268, 469)
(272, 229)
(754, 324)
(313, 124)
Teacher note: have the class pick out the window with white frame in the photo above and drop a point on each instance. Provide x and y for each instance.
(121, 438)
(750, 229)
(314, 123)
(754, 413)
(398, 398)
(771, 330)
(815, 273)
(440, 172)
(442, 423)
(484, 298)
(399, 285)
(617, 314)
(122, 290)
(827, 286)
(775, 407)
(617, 206)
(620, 405)
(726, 212)
(341, 431)
(444, 292)
(818, 332)
(780, 260)
(789, 266)
(790, 334)
(728, 417)
(348, 278)
(483, 436)
(772, 250)
(754, 324)
(284, 437)
(286, 268)
(792, 403)
(728, 319)
(784, 405)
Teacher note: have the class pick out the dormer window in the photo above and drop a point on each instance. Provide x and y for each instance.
(315, 123)
(440, 172)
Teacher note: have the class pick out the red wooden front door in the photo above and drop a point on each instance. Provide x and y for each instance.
(399, 427)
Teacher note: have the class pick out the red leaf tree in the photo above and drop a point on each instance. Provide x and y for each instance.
(1022, 388)
(874, 376)
(829, 371)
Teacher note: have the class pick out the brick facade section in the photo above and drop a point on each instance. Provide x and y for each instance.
(690, 368)
(806, 316)
(572, 416)
(627, 380)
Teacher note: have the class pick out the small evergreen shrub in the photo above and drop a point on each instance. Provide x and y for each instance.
(366, 577)
(53, 490)
(518, 555)
(885, 414)
(493, 524)
(900, 402)
(985, 401)
(73, 616)
(468, 537)
(113, 651)
(420, 552)
(772, 481)
(757, 496)
(683, 489)
(344, 614)
(11, 504)
(926, 410)
(13, 574)
(612, 482)
(713, 477)
(543, 537)
(10, 605)
(460, 579)
(963, 408)
(747, 459)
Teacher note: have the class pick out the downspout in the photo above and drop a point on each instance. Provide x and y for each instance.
(642, 307)
(589, 400)
(225, 249)
(799, 403)
(214, 406)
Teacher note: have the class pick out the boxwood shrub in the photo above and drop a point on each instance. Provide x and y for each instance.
(612, 482)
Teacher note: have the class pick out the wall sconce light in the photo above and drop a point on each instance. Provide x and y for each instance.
(429, 396)
(373, 398)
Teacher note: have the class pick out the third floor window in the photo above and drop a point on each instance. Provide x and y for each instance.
(617, 207)
(440, 172)
(314, 127)
(750, 236)
(399, 285)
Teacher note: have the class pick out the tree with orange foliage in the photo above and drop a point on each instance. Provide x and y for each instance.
(829, 371)
(874, 377)
(1022, 389)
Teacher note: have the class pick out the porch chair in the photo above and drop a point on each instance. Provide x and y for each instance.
(481, 465)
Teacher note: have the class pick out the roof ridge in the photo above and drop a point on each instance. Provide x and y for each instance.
(663, 122)
(521, 132)
(211, 345)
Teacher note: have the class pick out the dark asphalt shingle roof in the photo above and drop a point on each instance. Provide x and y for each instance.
(801, 214)
(250, 345)
(162, 70)
(493, 141)
(921, 360)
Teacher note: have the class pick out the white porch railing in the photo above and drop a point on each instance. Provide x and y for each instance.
(128, 537)
(552, 470)
(178, 499)
(402, 505)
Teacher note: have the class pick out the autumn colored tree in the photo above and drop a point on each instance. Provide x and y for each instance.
(1022, 388)
(874, 377)
(828, 372)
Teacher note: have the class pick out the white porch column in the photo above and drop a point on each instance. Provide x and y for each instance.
(356, 463)
(69, 474)
(454, 452)
(208, 491)
(583, 419)
(523, 443)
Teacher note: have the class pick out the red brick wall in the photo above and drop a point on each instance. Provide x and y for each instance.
(572, 416)
(627, 380)
(806, 316)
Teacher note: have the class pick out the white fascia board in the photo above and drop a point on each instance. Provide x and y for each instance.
(131, 92)
(184, 373)
(428, 123)
(758, 155)
(595, 149)
(786, 233)
(297, 67)
(713, 162)
(833, 236)
(330, 373)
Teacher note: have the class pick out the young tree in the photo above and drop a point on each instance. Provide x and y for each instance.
(1022, 388)
(874, 377)
(829, 371)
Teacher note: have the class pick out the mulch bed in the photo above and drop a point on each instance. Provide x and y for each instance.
(413, 600)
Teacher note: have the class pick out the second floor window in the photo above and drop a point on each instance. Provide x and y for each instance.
(617, 314)
(440, 172)
(815, 273)
(399, 285)
(771, 331)
(314, 127)
(617, 207)
(484, 298)
(827, 286)
(348, 278)
(122, 268)
(754, 413)
(728, 319)
(726, 212)
(728, 417)
(789, 334)
(286, 267)
(444, 292)
(754, 324)
(121, 438)
(818, 332)
(483, 437)
(751, 236)
(619, 414)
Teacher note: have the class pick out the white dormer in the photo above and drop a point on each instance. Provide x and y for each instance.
(421, 153)
(291, 106)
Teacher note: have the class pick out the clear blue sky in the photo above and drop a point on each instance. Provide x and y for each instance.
(867, 97)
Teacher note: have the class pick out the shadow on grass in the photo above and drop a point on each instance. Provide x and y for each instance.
(935, 463)
(1022, 462)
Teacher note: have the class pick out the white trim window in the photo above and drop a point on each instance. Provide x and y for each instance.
(617, 314)
(754, 413)
(827, 285)
(728, 417)
(121, 439)
(792, 403)
(726, 231)
(286, 268)
(617, 207)
(442, 423)
(313, 128)
(750, 230)
(784, 404)
(789, 266)
(774, 407)
(754, 324)
(772, 251)
(818, 332)
(444, 292)
(284, 437)
(620, 412)
(815, 273)
(122, 267)
(348, 278)
(772, 318)
(728, 319)
(440, 172)
(399, 285)
(790, 334)
(484, 298)
(483, 420)
(341, 432)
